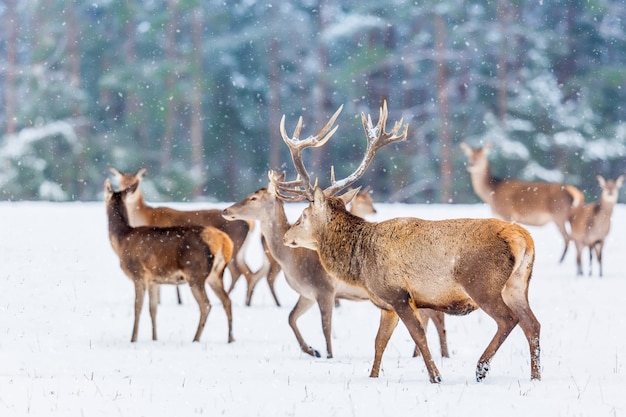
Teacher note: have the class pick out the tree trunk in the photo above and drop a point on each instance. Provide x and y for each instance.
(197, 149)
(445, 153)
(274, 106)
(170, 101)
(10, 90)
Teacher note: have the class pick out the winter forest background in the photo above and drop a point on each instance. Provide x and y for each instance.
(194, 91)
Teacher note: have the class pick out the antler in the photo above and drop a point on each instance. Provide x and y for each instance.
(377, 137)
(300, 189)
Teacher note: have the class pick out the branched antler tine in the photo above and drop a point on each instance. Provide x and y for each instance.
(376, 139)
(301, 188)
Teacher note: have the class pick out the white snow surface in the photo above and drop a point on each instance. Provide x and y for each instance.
(66, 312)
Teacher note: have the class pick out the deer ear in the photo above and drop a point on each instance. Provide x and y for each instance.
(601, 180)
(349, 195)
(620, 180)
(488, 146)
(467, 150)
(318, 196)
(141, 173)
(115, 172)
(108, 189)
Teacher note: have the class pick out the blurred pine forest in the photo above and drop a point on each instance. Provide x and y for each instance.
(194, 91)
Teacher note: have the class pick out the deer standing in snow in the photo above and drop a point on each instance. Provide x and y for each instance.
(302, 268)
(151, 256)
(454, 266)
(141, 214)
(591, 224)
(529, 203)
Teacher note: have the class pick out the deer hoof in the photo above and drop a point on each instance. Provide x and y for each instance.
(436, 379)
(481, 371)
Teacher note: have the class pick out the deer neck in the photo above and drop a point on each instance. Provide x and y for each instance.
(274, 225)
(483, 183)
(139, 214)
(118, 220)
(605, 207)
(341, 246)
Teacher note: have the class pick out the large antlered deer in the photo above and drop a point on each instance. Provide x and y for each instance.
(591, 224)
(529, 203)
(151, 256)
(302, 268)
(455, 266)
(141, 214)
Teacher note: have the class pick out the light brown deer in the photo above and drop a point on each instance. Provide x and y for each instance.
(529, 203)
(455, 266)
(141, 214)
(591, 224)
(151, 256)
(303, 270)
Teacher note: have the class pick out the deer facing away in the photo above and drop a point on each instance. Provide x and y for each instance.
(141, 214)
(303, 270)
(455, 266)
(529, 203)
(591, 224)
(151, 256)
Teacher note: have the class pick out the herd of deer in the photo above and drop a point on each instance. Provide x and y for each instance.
(414, 270)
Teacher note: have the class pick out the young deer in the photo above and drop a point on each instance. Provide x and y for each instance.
(591, 224)
(141, 214)
(455, 266)
(529, 203)
(151, 256)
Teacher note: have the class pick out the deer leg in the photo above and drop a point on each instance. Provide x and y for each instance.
(516, 299)
(500, 312)
(439, 320)
(271, 278)
(217, 285)
(153, 296)
(234, 274)
(140, 290)
(199, 293)
(423, 317)
(388, 323)
(300, 308)
(326, 305)
(407, 315)
(180, 300)
(598, 248)
(566, 239)
(579, 254)
(256, 277)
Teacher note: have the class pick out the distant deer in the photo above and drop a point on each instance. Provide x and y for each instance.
(455, 266)
(141, 214)
(302, 268)
(529, 203)
(362, 204)
(591, 224)
(151, 256)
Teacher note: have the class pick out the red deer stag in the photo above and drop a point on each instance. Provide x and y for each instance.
(141, 214)
(303, 270)
(151, 256)
(455, 266)
(529, 203)
(591, 224)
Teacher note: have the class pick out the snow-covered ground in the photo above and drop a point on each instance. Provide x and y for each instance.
(66, 313)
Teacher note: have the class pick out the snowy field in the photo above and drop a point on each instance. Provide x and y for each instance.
(66, 312)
